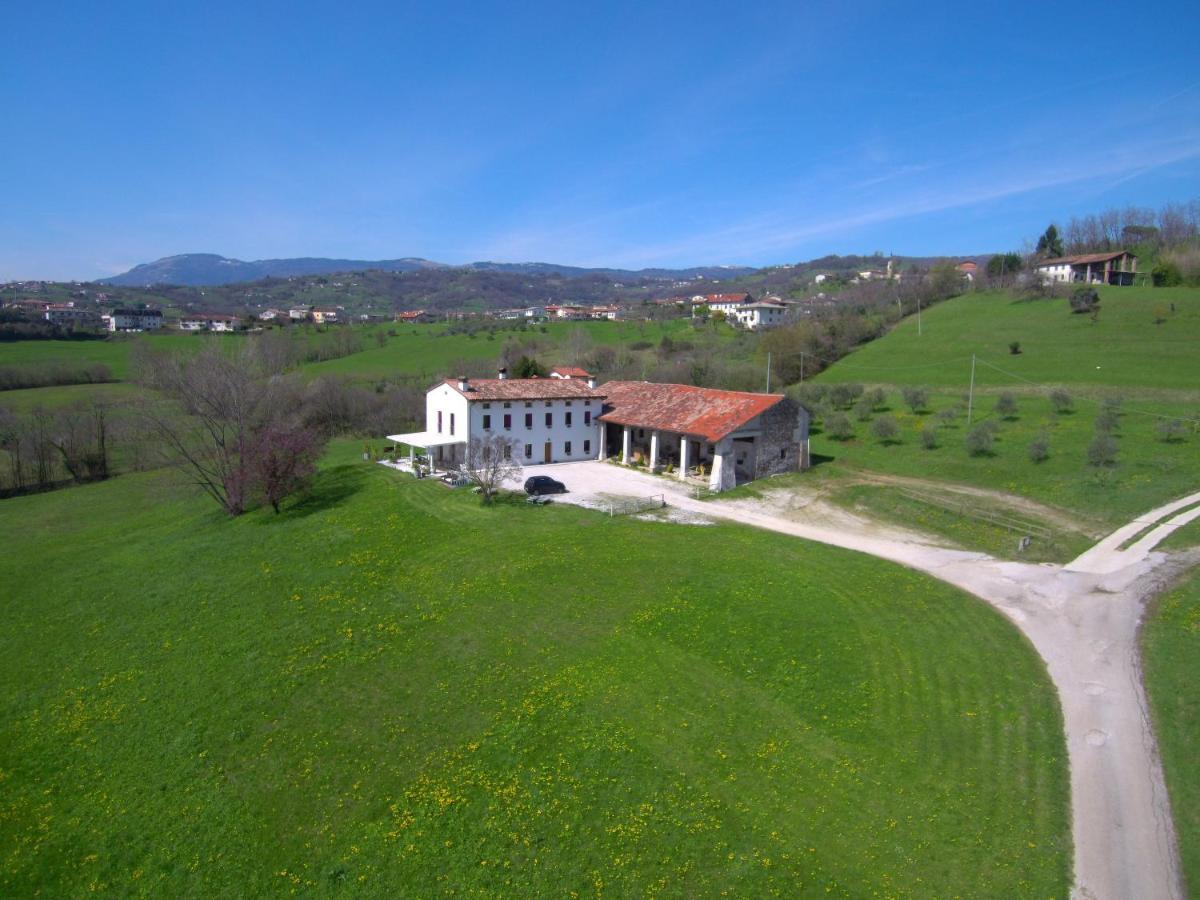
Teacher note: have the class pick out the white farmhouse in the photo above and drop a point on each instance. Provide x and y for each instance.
(722, 437)
(548, 420)
(135, 319)
(1118, 267)
(759, 315)
(723, 303)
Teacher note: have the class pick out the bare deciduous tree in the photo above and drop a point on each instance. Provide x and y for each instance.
(283, 460)
(488, 463)
(218, 396)
(80, 434)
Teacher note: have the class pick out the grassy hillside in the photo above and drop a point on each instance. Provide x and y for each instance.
(1171, 653)
(1153, 368)
(1124, 348)
(374, 689)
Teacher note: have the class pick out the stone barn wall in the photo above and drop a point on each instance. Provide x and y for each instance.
(783, 444)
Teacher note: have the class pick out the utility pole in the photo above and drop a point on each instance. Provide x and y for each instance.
(768, 372)
(919, 332)
(971, 392)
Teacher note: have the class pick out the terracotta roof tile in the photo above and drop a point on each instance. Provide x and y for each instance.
(699, 412)
(1085, 258)
(571, 372)
(525, 389)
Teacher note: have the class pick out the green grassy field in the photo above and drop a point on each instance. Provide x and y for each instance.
(1171, 659)
(421, 350)
(427, 350)
(1155, 369)
(67, 395)
(1123, 348)
(390, 686)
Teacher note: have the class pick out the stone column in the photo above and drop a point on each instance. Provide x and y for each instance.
(603, 442)
(683, 458)
(722, 477)
(625, 436)
(653, 451)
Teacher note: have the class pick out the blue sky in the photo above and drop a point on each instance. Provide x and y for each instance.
(638, 134)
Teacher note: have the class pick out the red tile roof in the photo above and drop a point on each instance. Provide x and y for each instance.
(526, 389)
(1085, 258)
(571, 372)
(698, 412)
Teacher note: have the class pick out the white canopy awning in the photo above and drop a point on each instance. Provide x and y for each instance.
(424, 439)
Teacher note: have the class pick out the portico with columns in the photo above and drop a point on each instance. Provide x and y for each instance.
(722, 437)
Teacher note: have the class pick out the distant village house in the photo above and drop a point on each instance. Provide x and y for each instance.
(1118, 267)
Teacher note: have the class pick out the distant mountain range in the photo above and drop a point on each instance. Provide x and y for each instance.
(204, 269)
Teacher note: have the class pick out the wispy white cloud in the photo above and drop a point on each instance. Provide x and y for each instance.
(777, 231)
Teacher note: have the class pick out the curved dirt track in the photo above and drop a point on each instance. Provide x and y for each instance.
(1083, 620)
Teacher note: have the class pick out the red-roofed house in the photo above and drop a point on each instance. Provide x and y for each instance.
(726, 435)
(1117, 267)
(570, 372)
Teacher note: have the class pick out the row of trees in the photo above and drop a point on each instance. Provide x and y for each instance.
(231, 415)
(45, 448)
(1114, 229)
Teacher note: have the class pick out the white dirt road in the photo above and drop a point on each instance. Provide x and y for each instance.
(1083, 620)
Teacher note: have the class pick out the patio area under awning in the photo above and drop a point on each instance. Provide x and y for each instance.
(432, 443)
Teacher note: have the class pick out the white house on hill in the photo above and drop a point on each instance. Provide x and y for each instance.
(727, 435)
(549, 419)
(1118, 267)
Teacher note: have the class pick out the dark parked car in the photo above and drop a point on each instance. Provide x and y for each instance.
(543, 484)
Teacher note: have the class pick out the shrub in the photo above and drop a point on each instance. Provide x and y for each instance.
(979, 440)
(1166, 274)
(877, 397)
(838, 427)
(1084, 300)
(1106, 422)
(1061, 401)
(1171, 431)
(929, 437)
(885, 430)
(1014, 348)
(810, 395)
(915, 398)
(1006, 405)
(1102, 451)
(842, 395)
(1039, 449)
(863, 409)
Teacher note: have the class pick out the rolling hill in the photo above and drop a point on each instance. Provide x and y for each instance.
(204, 269)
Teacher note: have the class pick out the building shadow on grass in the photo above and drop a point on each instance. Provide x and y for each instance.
(819, 459)
(330, 488)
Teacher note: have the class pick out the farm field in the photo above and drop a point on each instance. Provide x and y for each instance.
(1171, 654)
(427, 351)
(1153, 369)
(1123, 348)
(371, 690)
(420, 351)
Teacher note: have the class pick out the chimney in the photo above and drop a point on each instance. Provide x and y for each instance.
(591, 382)
(463, 384)
(502, 374)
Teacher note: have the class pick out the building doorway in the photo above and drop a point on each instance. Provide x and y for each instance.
(547, 453)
